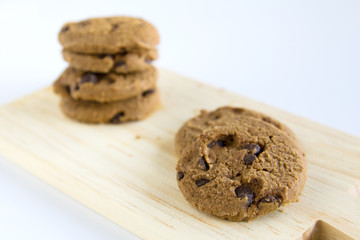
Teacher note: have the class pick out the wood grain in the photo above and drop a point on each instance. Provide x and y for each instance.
(132, 181)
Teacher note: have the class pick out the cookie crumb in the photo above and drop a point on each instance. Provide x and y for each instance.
(137, 137)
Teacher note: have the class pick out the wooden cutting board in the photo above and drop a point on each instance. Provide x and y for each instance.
(127, 172)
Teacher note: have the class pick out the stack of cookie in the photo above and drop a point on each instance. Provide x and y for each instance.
(110, 78)
(238, 164)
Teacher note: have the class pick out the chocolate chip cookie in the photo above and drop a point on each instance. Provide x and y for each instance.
(221, 116)
(102, 88)
(109, 35)
(133, 60)
(241, 171)
(135, 108)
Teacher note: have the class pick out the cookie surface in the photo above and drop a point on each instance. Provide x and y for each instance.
(223, 115)
(242, 171)
(104, 87)
(135, 108)
(108, 35)
(132, 60)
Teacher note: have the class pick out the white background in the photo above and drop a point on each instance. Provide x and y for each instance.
(300, 56)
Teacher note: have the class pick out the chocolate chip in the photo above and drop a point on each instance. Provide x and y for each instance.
(180, 175)
(243, 191)
(89, 77)
(257, 150)
(220, 143)
(65, 29)
(67, 89)
(114, 27)
(76, 87)
(116, 118)
(211, 145)
(148, 92)
(249, 159)
(203, 164)
(253, 148)
(201, 182)
(271, 199)
(119, 64)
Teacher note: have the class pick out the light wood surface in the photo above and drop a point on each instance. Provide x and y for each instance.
(127, 172)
